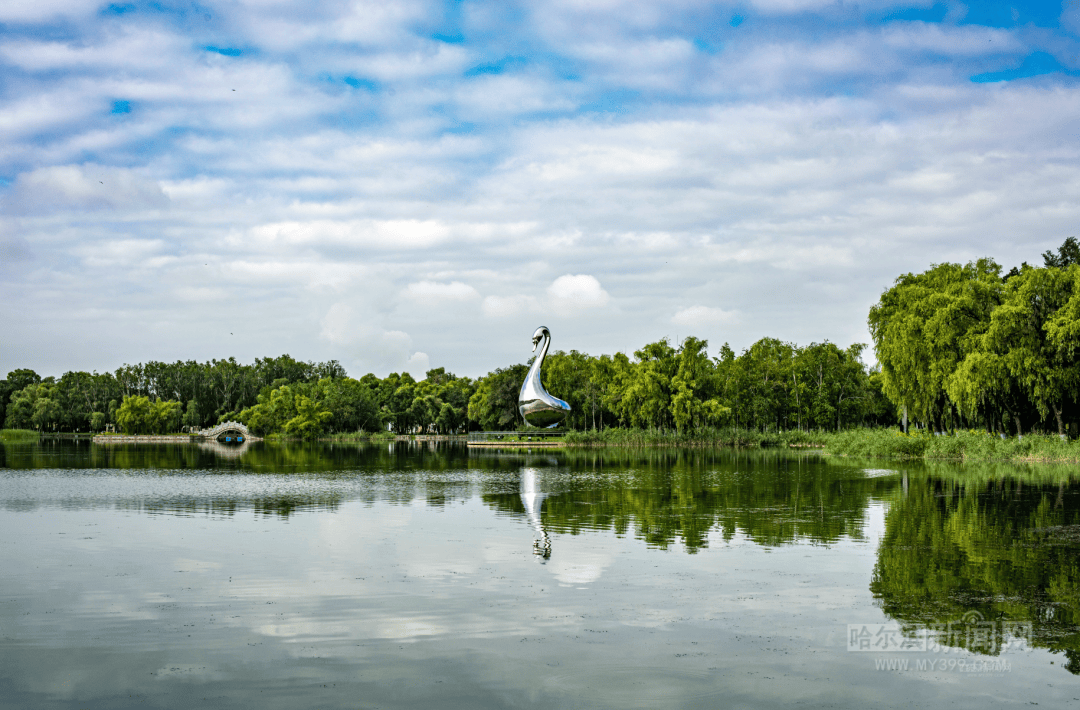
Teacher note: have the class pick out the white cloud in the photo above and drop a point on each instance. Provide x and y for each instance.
(359, 333)
(566, 296)
(789, 6)
(154, 50)
(946, 40)
(384, 234)
(782, 7)
(431, 292)
(417, 365)
(38, 10)
(570, 294)
(86, 187)
(490, 96)
(506, 306)
(359, 174)
(337, 324)
(703, 316)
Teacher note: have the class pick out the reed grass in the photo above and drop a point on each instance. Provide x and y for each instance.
(357, 436)
(960, 446)
(708, 436)
(19, 435)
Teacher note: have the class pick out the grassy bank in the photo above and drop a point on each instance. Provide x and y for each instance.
(19, 435)
(728, 436)
(962, 446)
(360, 436)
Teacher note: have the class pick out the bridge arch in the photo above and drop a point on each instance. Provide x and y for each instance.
(235, 428)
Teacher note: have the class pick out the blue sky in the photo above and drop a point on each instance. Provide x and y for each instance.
(404, 185)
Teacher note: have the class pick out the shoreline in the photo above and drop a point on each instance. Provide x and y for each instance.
(157, 439)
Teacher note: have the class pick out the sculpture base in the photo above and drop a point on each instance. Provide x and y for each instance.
(541, 414)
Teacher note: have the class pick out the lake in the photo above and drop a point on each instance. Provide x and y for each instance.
(433, 576)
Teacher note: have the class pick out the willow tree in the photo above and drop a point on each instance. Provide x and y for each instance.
(982, 384)
(646, 397)
(693, 387)
(1047, 373)
(767, 370)
(925, 325)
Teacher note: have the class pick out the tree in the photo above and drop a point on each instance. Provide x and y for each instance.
(1068, 254)
(309, 420)
(352, 405)
(134, 415)
(692, 387)
(35, 406)
(16, 380)
(494, 404)
(925, 325)
(1018, 334)
(191, 414)
(139, 415)
(645, 397)
(767, 370)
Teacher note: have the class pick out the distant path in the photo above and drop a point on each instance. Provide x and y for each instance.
(212, 434)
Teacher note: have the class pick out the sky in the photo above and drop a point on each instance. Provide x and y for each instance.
(407, 184)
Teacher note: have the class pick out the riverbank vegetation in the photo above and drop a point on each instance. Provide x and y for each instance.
(959, 347)
(959, 446)
(707, 436)
(19, 435)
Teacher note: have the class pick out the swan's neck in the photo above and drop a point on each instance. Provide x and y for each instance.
(535, 369)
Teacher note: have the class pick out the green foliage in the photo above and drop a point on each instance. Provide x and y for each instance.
(311, 410)
(309, 420)
(773, 386)
(962, 445)
(962, 346)
(36, 406)
(16, 380)
(1068, 254)
(700, 437)
(210, 389)
(139, 415)
(19, 435)
(191, 415)
(925, 325)
(494, 404)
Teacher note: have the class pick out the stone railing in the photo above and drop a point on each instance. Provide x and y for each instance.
(216, 431)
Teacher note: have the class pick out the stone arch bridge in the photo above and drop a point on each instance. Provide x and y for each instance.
(235, 428)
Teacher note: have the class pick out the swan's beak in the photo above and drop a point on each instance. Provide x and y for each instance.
(536, 341)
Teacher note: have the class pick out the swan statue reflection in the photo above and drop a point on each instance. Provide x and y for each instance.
(532, 498)
(538, 407)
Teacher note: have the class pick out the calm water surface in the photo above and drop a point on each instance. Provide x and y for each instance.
(408, 576)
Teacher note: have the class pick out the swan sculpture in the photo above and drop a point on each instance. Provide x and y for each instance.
(538, 407)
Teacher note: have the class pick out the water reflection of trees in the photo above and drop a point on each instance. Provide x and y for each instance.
(258, 457)
(669, 495)
(1005, 547)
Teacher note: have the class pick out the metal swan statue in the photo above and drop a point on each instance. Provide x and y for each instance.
(538, 407)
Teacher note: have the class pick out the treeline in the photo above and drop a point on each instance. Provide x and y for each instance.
(965, 346)
(205, 392)
(771, 386)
